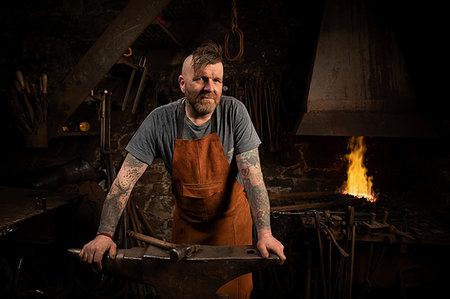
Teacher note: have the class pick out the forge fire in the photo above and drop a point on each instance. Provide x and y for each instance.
(358, 183)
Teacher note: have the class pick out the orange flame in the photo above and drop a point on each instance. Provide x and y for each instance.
(358, 183)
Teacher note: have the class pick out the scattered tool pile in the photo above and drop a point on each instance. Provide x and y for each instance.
(29, 103)
(347, 248)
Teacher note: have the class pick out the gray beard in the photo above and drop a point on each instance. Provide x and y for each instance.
(203, 108)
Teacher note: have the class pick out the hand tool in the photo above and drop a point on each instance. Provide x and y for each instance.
(21, 88)
(398, 232)
(143, 65)
(38, 104)
(127, 93)
(177, 252)
(43, 85)
(22, 121)
(105, 136)
(308, 270)
(333, 239)
(322, 265)
(196, 277)
(103, 122)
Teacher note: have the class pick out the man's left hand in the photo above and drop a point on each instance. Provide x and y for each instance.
(267, 243)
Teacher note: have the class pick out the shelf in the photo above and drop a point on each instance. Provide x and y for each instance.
(79, 134)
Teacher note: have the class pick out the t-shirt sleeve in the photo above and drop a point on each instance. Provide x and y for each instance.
(245, 135)
(142, 145)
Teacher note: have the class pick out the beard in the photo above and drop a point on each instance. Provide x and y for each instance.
(200, 105)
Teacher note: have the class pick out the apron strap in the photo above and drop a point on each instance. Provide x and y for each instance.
(182, 114)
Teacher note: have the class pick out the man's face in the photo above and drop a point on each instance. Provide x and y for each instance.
(202, 89)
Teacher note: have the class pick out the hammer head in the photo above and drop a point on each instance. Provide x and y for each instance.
(180, 252)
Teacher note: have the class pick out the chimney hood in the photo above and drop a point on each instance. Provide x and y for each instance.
(359, 85)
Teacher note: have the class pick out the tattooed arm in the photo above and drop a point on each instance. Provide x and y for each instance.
(115, 202)
(252, 178)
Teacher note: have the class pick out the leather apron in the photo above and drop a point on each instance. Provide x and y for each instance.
(210, 204)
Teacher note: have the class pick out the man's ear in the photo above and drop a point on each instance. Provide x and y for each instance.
(181, 82)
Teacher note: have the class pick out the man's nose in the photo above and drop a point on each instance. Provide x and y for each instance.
(208, 85)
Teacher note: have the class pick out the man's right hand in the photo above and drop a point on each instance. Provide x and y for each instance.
(93, 251)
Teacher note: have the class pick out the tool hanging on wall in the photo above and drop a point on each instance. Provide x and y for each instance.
(261, 94)
(29, 106)
(105, 138)
(234, 30)
(142, 67)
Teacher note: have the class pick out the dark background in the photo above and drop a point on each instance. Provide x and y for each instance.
(52, 36)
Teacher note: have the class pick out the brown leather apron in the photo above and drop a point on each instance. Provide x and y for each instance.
(210, 205)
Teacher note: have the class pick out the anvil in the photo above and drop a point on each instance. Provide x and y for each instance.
(197, 276)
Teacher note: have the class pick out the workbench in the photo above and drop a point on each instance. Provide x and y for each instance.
(19, 206)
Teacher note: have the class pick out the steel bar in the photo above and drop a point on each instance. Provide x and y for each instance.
(127, 93)
(308, 270)
(315, 205)
(140, 90)
(322, 265)
(352, 260)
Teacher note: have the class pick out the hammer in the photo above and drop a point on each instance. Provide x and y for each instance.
(176, 252)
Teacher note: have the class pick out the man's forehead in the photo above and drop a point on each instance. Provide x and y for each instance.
(215, 70)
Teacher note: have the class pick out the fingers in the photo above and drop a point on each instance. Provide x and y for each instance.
(273, 245)
(92, 252)
(263, 250)
(86, 254)
(279, 250)
(280, 253)
(98, 260)
(113, 251)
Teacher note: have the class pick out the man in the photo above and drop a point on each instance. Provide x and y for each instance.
(209, 145)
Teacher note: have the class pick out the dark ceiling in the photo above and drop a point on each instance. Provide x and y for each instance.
(52, 36)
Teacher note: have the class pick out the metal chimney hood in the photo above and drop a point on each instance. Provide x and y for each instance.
(359, 85)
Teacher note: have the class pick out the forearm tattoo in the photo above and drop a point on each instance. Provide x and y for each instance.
(117, 197)
(252, 178)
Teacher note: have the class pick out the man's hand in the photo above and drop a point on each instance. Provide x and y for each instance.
(267, 242)
(115, 202)
(93, 251)
(252, 178)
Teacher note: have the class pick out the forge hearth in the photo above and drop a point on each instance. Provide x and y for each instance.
(354, 247)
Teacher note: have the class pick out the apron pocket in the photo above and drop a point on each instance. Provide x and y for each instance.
(202, 202)
(202, 190)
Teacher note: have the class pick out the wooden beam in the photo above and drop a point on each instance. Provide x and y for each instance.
(100, 58)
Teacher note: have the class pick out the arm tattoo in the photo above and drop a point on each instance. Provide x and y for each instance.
(120, 191)
(252, 178)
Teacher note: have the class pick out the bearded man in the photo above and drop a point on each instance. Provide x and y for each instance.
(210, 147)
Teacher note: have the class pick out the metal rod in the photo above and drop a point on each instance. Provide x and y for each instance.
(322, 266)
(127, 93)
(139, 91)
(308, 270)
(352, 259)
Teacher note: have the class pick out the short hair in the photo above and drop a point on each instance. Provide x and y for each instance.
(208, 53)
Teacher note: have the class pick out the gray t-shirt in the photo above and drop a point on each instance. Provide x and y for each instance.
(157, 133)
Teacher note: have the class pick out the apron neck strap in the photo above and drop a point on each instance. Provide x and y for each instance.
(182, 114)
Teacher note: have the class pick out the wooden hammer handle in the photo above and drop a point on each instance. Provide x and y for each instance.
(151, 240)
